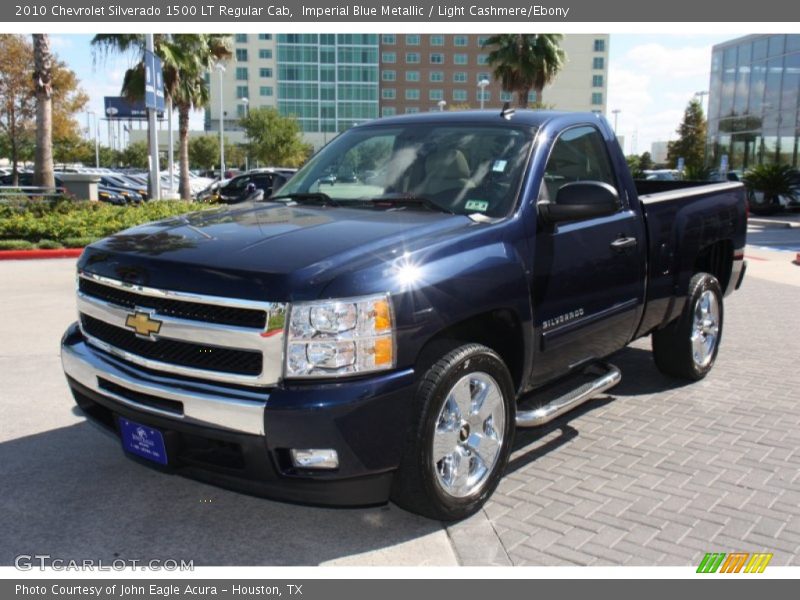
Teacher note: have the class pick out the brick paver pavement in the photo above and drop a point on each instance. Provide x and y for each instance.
(659, 472)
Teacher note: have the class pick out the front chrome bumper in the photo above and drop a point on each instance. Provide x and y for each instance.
(237, 410)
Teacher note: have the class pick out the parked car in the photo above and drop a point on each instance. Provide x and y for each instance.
(122, 182)
(269, 181)
(662, 174)
(353, 343)
(26, 187)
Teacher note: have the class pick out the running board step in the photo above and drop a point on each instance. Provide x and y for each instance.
(609, 376)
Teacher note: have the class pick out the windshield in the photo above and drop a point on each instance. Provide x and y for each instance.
(464, 169)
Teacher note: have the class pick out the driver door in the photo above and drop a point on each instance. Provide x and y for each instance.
(588, 277)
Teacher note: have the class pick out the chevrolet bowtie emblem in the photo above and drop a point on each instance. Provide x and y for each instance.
(142, 324)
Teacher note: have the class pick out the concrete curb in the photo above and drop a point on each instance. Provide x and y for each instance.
(773, 223)
(37, 254)
(476, 542)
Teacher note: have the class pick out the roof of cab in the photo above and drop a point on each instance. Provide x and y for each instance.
(525, 117)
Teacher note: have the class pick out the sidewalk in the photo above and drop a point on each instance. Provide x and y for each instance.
(772, 265)
(53, 463)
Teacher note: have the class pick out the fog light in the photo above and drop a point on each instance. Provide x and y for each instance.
(309, 458)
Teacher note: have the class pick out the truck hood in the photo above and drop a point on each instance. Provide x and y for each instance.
(265, 251)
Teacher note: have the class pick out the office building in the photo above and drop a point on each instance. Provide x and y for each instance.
(658, 152)
(754, 101)
(332, 81)
(249, 81)
(418, 72)
(328, 81)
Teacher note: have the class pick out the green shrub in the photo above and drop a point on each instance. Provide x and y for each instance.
(77, 242)
(16, 245)
(60, 220)
(49, 245)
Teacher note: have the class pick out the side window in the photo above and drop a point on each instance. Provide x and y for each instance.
(264, 182)
(579, 154)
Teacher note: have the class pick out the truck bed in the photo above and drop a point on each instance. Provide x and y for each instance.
(710, 224)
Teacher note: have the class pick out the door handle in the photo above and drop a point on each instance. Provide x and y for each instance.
(621, 244)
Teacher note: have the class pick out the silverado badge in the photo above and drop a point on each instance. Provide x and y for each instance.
(142, 324)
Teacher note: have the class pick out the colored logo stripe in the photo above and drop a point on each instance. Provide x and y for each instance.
(758, 563)
(711, 562)
(734, 562)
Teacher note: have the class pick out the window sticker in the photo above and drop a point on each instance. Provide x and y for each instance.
(479, 205)
(499, 166)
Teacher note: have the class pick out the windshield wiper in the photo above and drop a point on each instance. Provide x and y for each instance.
(408, 200)
(310, 197)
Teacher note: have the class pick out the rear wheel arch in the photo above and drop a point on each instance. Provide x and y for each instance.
(715, 259)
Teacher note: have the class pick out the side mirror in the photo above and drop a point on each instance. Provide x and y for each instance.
(581, 200)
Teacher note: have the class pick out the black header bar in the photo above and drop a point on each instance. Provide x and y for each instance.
(387, 11)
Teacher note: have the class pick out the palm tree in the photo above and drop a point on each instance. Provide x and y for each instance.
(525, 62)
(42, 82)
(185, 60)
(773, 181)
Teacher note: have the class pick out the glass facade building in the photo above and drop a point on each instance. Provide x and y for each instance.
(754, 101)
(328, 81)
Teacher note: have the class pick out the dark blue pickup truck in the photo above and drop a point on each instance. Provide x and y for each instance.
(378, 329)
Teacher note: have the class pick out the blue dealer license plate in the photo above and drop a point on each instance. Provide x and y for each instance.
(143, 441)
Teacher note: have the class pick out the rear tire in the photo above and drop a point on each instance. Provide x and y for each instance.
(460, 439)
(687, 348)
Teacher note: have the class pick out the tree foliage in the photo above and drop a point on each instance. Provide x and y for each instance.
(18, 101)
(204, 151)
(274, 139)
(186, 59)
(634, 166)
(136, 155)
(646, 162)
(525, 62)
(691, 142)
(234, 154)
(772, 181)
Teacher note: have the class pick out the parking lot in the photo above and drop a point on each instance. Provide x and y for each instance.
(655, 472)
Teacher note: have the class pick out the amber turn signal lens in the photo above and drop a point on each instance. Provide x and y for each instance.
(383, 317)
(383, 351)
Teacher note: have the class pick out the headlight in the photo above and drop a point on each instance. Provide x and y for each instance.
(340, 337)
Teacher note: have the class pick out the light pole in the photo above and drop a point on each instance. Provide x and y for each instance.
(111, 111)
(482, 85)
(441, 104)
(701, 94)
(152, 133)
(170, 149)
(246, 102)
(96, 136)
(616, 112)
(221, 69)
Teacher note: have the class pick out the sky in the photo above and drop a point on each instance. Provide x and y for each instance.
(651, 80)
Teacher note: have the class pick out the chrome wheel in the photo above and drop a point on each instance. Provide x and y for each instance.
(705, 330)
(469, 434)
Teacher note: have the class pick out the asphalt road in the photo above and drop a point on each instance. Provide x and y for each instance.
(774, 237)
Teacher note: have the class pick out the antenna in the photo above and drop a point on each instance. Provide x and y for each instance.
(507, 112)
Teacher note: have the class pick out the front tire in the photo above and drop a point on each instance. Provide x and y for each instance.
(687, 348)
(460, 440)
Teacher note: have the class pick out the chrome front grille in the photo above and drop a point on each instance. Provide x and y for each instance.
(208, 337)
